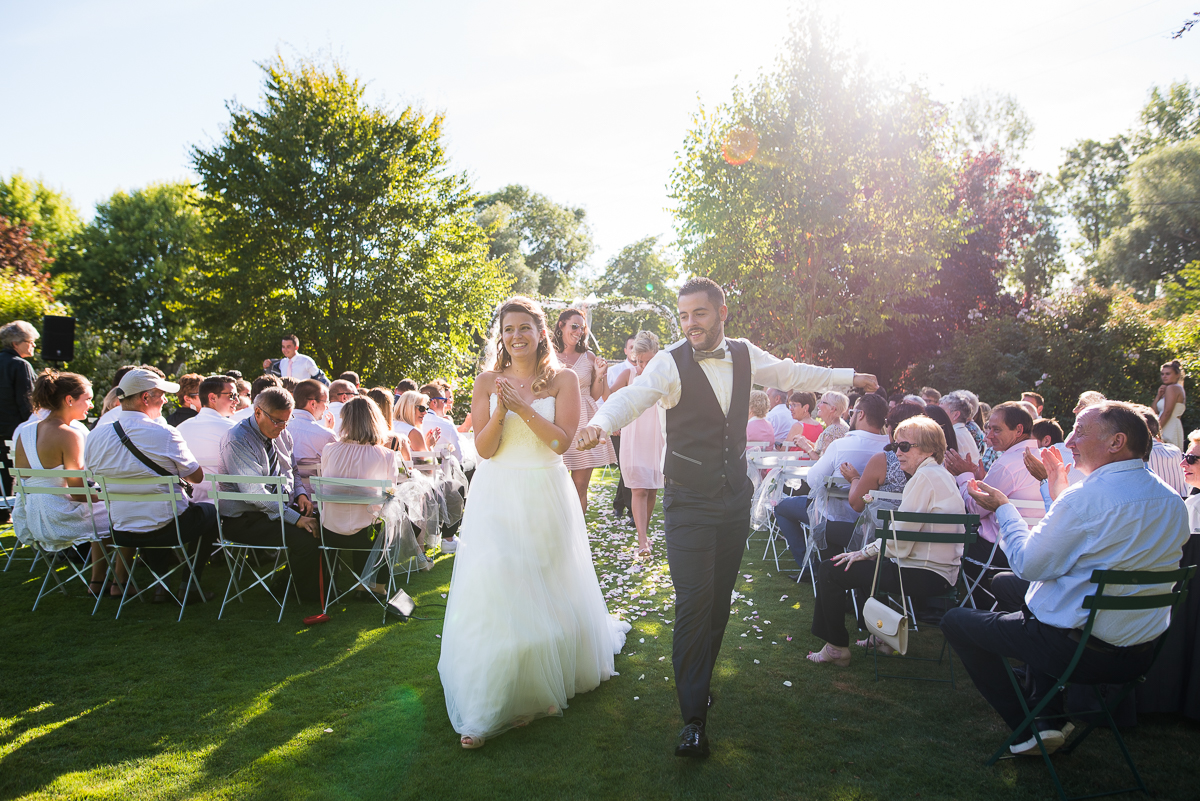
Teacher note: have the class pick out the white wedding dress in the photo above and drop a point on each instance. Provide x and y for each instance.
(526, 624)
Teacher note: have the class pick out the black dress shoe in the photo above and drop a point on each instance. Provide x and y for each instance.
(693, 742)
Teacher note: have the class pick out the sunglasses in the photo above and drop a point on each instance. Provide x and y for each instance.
(1191, 458)
(576, 327)
(422, 409)
(903, 447)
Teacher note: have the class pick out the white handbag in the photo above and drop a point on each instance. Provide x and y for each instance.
(884, 622)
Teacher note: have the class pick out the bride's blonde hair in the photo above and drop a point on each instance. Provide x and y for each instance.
(547, 361)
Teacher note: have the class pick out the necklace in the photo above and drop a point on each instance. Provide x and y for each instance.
(526, 378)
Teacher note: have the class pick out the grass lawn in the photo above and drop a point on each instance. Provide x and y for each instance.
(244, 708)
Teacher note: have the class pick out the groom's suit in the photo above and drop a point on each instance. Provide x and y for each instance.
(707, 496)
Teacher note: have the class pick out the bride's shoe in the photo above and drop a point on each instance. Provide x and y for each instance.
(829, 654)
(468, 742)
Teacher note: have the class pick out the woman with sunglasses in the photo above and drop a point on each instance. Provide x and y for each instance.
(570, 342)
(408, 415)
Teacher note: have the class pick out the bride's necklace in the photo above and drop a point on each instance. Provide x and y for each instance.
(522, 378)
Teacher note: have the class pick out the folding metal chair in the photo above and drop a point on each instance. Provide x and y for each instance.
(112, 490)
(1178, 579)
(970, 523)
(986, 569)
(237, 554)
(371, 492)
(9, 502)
(53, 581)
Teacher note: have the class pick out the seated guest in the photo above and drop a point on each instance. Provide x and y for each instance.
(778, 414)
(261, 446)
(437, 419)
(393, 441)
(883, 471)
(1121, 517)
(1086, 399)
(1164, 460)
(259, 384)
(939, 416)
(1008, 434)
(151, 524)
(409, 414)
(929, 568)
(115, 413)
(243, 394)
(404, 385)
(856, 448)
(204, 432)
(189, 399)
(931, 396)
(360, 454)
(830, 409)
(1038, 402)
(112, 400)
(340, 391)
(961, 406)
(309, 435)
(56, 522)
(917, 399)
(801, 405)
(895, 399)
(1190, 463)
(353, 378)
(757, 427)
(1047, 432)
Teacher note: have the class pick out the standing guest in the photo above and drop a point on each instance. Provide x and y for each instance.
(340, 391)
(1038, 402)
(189, 399)
(622, 498)
(642, 446)
(261, 446)
(152, 524)
(293, 364)
(618, 370)
(801, 405)
(929, 568)
(309, 434)
(259, 384)
(779, 416)
(407, 419)
(1121, 517)
(704, 383)
(1170, 402)
(931, 396)
(204, 432)
(758, 429)
(16, 387)
(393, 441)
(570, 343)
(961, 405)
(1164, 459)
(438, 419)
(830, 409)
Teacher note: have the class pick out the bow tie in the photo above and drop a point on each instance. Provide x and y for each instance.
(701, 355)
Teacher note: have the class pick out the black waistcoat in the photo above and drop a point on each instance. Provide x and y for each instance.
(705, 448)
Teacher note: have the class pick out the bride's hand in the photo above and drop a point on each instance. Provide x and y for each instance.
(498, 391)
(513, 400)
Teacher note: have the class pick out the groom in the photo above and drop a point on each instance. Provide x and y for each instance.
(704, 383)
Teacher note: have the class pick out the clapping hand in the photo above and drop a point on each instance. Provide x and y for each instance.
(957, 465)
(1057, 471)
(988, 497)
(1033, 463)
(512, 399)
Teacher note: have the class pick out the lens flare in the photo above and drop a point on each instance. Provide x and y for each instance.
(741, 144)
(649, 287)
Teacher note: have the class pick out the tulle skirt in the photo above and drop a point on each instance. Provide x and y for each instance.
(526, 624)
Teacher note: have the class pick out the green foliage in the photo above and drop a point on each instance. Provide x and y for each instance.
(51, 216)
(640, 270)
(131, 270)
(1033, 273)
(340, 222)
(1090, 184)
(23, 297)
(989, 120)
(1182, 296)
(535, 238)
(818, 198)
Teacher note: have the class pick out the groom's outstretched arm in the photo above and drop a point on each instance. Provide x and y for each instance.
(658, 382)
(785, 374)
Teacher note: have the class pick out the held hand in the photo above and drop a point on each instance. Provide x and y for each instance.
(601, 368)
(848, 471)
(304, 505)
(309, 524)
(329, 420)
(989, 498)
(844, 560)
(589, 438)
(865, 382)
(498, 392)
(957, 465)
(1033, 463)
(266, 364)
(512, 399)
(801, 442)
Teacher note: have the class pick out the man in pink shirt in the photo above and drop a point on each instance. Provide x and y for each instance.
(1009, 432)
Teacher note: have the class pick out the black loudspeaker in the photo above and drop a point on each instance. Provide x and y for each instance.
(58, 339)
(401, 605)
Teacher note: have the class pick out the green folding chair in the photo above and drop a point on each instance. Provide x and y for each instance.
(886, 532)
(1178, 579)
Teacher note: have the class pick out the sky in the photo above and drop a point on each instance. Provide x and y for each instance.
(586, 103)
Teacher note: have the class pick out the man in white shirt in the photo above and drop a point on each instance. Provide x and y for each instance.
(293, 364)
(340, 392)
(151, 524)
(437, 405)
(856, 448)
(203, 433)
(116, 412)
(1121, 517)
(309, 434)
(961, 406)
(704, 383)
(779, 415)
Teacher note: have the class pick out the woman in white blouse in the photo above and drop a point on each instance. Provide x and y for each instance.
(929, 568)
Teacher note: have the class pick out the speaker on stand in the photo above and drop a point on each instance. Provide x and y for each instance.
(58, 338)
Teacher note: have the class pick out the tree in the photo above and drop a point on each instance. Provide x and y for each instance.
(130, 271)
(50, 215)
(817, 198)
(1167, 118)
(1089, 183)
(991, 121)
(23, 256)
(1041, 261)
(639, 271)
(533, 234)
(341, 222)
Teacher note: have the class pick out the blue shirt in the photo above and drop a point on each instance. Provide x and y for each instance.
(244, 453)
(1121, 517)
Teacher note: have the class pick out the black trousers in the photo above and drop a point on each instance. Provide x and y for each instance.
(6, 481)
(360, 541)
(255, 528)
(623, 499)
(983, 640)
(834, 581)
(1009, 592)
(706, 537)
(197, 527)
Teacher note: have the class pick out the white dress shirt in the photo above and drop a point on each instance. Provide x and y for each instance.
(449, 433)
(117, 413)
(1121, 517)
(618, 370)
(203, 435)
(966, 446)
(659, 383)
(298, 367)
(242, 414)
(1009, 475)
(857, 448)
(309, 439)
(160, 443)
(1164, 463)
(1193, 506)
(780, 418)
(335, 408)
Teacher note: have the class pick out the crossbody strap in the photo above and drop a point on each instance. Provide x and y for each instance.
(879, 559)
(137, 454)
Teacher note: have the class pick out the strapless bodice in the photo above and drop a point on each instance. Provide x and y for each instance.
(519, 446)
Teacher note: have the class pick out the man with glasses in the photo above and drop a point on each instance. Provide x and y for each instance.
(204, 432)
(437, 405)
(260, 445)
(309, 434)
(16, 383)
(340, 392)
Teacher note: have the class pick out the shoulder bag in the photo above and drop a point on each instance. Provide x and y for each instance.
(884, 622)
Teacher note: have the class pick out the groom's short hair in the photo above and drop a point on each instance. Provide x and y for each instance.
(706, 285)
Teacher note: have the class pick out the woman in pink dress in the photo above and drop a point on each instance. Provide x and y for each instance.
(758, 429)
(570, 341)
(642, 447)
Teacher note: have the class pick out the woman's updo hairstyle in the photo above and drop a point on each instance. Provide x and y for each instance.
(52, 388)
(1177, 366)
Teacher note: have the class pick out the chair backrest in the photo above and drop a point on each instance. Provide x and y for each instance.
(967, 536)
(1031, 511)
(880, 495)
(110, 491)
(323, 485)
(432, 461)
(1178, 578)
(278, 494)
(81, 494)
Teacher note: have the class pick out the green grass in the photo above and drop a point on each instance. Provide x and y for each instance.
(244, 708)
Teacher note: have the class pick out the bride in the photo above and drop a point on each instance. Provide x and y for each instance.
(526, 625)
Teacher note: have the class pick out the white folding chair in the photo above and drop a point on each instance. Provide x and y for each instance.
(427, 462)
(237, 554)
(115, 491)
(53, 581)
(360, 492)
(9, 502)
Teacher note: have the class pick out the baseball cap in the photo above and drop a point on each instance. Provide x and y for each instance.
(138, 380)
